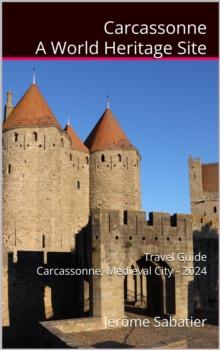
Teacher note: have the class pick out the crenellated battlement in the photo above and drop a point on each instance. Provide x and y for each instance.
(194, 161)
(134, 225)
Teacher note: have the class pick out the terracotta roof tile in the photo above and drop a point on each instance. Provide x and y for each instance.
(107, 134)
(76, 143)
(210, 177)
(31, 110)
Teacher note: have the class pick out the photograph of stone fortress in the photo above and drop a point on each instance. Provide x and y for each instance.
(69, 204)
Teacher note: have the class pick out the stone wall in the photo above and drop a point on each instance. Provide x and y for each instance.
(34, 297)
(5, 303)
(204, 208)
(45, 190)
(29, 297)
(204, 205)
(206, 286)
(115, 180)
(116, 245)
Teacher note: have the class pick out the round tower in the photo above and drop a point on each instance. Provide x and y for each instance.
(114, 167)
(45, 178)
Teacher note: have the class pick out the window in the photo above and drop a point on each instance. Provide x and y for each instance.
(102, 158)
(62, 142)
(35, 136)
(119, 157)
(125, 217)
(43, 241)
(78, 185)
(201, 220)
(9, 168)
(215, 210)
(71, 156)
(16, 137)
(87, 160)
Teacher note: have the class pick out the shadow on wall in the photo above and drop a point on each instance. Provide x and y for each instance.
(151, 295)
(206, 285)
(33, 298)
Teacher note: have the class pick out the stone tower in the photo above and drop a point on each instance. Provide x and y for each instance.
(204, 208)
(45, 179)
(114, 167)
(203, 192)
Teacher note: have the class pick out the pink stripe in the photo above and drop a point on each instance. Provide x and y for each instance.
(104, 58)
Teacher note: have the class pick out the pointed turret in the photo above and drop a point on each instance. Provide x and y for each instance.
(114, 166)
(107, 134)
(32, 110)
(76, 143)
(8, 106)
(45, 175)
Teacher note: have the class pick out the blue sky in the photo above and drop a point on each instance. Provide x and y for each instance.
(168, 109)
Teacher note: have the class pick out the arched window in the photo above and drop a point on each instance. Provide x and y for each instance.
(201, 220)
(215, 210)
(78, 185)
(62, 142)
(15, 137)
(125, 217)
(35, 136)
(71, 156)
(9, 168)
(102, 158)
(119, 157)
(87, 160)
(43, 241)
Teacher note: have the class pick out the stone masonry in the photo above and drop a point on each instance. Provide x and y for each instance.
(203, 193)
(205, 210)
(119, 246)
(43, 208)
(72, 204)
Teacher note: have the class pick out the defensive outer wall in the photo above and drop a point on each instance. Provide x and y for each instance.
(109, 244)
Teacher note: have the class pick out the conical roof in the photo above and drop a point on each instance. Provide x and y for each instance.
(76, 143)
(107, 134)
(210, 177)
(31, 110)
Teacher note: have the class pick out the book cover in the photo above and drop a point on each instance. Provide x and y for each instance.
(110, 174)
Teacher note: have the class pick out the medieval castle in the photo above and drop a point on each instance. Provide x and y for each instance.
(69, 203)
